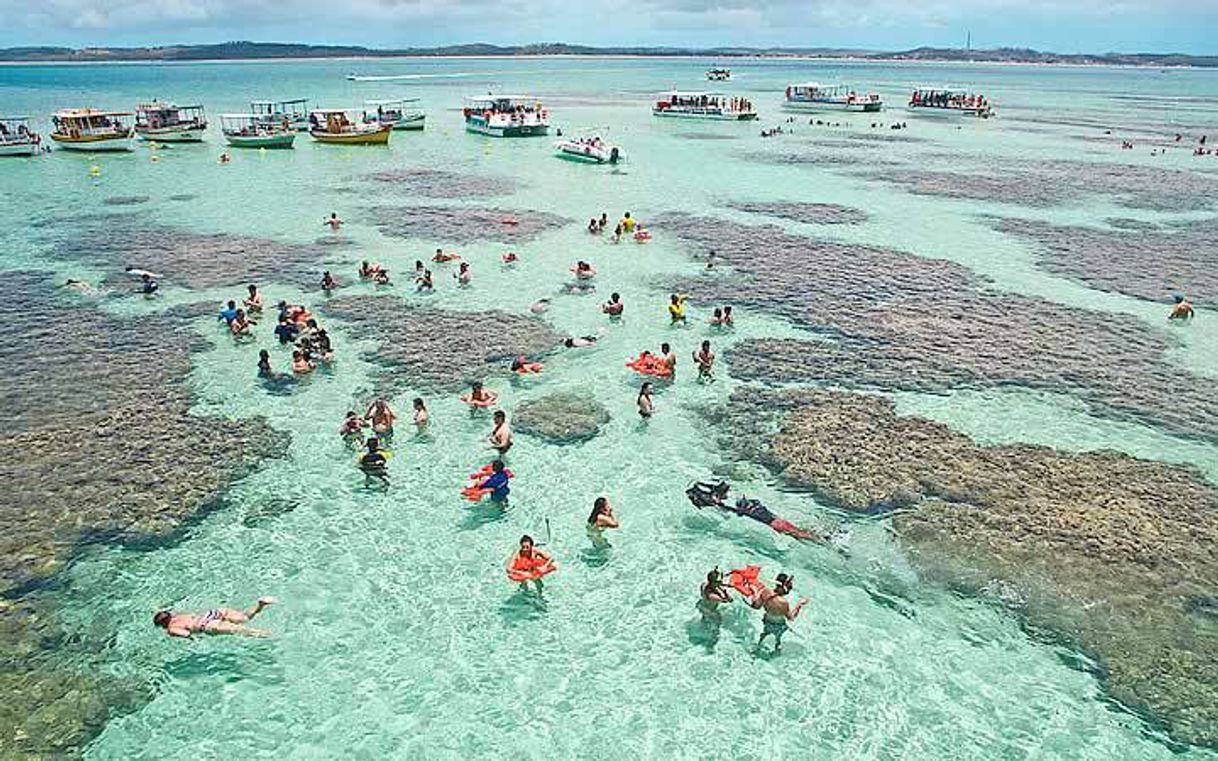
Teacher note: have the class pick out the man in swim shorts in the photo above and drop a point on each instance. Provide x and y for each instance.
(214, 621)
(778, 613)
(501, 434)
(713, 594)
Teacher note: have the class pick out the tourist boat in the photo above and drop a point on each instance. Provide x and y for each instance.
(167, 123)
(336, 126)
(252, 131)
(394, 113)
(703, 105)
(590, 149)
(506, 116)
(16, 137)
(87, 129)
(950, 100)
(813, 96)
(718, 75)
(295, 113)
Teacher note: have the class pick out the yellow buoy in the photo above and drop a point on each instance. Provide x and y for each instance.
(155, 158)
(95, 170)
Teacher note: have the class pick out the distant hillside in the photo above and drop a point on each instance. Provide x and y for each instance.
(246, 50)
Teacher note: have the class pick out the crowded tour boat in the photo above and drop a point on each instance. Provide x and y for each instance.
(703, 105)
(506, 116)
(336, 126)
(394, 113)
(589, 149)
(294, 114)
(718, 75)
(947, 100)
(167, 123)
(87, 129)
(252, 131)
(813, 96)
(16, 137)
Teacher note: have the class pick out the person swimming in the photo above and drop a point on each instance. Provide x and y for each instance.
(463, 274)
(424, 283)
(1182, 310)
(601, 518)
(214, 621)
(583, 270)
(713, 594)
(627, 223)
(778, 613)
(228, 312)
(264, 365)
(253, 302)
(421, 416)
(614, 306)
(727, 317)
(479, 396)
(501, 433)
(381, 277)
(352, 427)
(368, 271)
(539, 306)
(497, 482)
(529, 564)
(286, 331)
(328, 283)
(382, 417)
(442, 257)
(705, 359)
(240, 325)
(374, 461)
(149, 284)
(676, 309)
(302, 363)
(702, 494)
(669, 357)
(578, 342)
(334, 222)
(644, 401)
(325, 349)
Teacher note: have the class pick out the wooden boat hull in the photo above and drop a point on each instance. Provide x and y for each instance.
(379, 136)
(282, 140)
(705, 115)
(180, 134)
(93, 143)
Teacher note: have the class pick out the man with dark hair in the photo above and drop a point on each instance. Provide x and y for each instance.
(214, 621)
(778, 612)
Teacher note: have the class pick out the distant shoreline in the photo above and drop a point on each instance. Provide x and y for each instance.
(259, 51)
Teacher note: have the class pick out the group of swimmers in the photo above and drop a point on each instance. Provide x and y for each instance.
(627, 225)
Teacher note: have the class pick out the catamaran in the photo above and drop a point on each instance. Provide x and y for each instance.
(394, 113)
(718, 74)
(87, 129)
(703, 105)
(292, 113)
(16, 137)
(252, 131)
(340, 127)
(506, 116)
(168, 123)
(590, 149)
(950, 100)
(814, 96)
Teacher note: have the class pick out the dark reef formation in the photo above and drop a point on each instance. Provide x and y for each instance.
(1115, 555)
(436, 183)
(460, 224)
(810, 213)
(898, 321)
(441, 350)
(561, 418)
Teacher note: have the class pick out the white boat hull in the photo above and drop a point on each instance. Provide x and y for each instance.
(18, 149)
(411, 122)
(812, 106)
(975, 113)
(514, 130)
(182, 134)
(576, 152)
(718, 116)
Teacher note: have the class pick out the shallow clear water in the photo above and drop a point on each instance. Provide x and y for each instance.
(396, 634)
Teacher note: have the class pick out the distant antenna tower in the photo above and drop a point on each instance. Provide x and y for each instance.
(968, 40)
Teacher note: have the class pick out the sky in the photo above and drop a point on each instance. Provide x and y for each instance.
(1067, 26)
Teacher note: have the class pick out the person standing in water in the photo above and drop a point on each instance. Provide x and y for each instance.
(778, 613)
(676, 309)
(602, 518)
(529, 563)
(644, 402)
(713, 594)
(214, 621)
(614, 306)
(705, 359)
(670, 359)
(334, 222)
(421, 415)
(374, 462)
(1182, 310)
(382, 417)
(501, 434)
(253, 302)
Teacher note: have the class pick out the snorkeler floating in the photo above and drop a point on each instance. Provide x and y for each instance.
(715, 495)
(214, 621)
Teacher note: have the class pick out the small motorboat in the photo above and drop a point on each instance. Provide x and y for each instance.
(16, 137)
(590, 149)
(87, 129)
(170, 123)
(337, 127)
(253, 131)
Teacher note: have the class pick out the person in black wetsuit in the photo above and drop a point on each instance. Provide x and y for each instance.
(715, 495)
(374, 462)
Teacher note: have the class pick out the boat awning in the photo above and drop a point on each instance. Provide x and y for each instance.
(392, 102)
(84, 113)
(692, 94)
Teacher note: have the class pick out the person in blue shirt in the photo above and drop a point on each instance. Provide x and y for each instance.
(286, 331)
(497, 482)
(229, 313)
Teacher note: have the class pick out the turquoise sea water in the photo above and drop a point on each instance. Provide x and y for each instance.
(396, 635)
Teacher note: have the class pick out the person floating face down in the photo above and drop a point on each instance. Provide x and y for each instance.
(214, 621)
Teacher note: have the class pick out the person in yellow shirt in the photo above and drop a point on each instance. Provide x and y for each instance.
(627, 223)
(676, 309)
